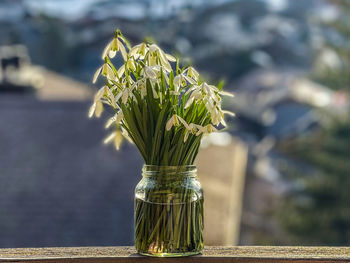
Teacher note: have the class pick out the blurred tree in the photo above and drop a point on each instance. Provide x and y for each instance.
(53, 47)
(333, 63)
(316, 210)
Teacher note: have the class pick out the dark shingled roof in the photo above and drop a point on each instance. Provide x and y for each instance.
(59, 186)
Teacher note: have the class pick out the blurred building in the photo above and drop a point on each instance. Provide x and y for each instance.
(286, 105)
(222, 163)
(59, 186)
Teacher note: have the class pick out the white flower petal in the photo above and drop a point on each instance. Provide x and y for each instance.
(119, 116)
(110, 73)
(115, 44)
(186, 135)
(134, 51)
(97, 73)
(212, 87)
(189, 80)
(152, 60)
(110, 121)
(130, 64)
(150, 73)
(170, 58)
(155, 95)
(170, 123)
(118, 96)
(191, 89)
(98, 109)
(184, 123)
(164, 61)
(189, 102)
(123, 51)
(112, 53)
(109, 138)
(229, 113)
(99, 94)
(118, 139)
(177, 82)
(191, 72)
(125, 96)
(225, 93)
(166, 77)
(126, 135)
(92, 110)
(111, 97)
(223, 122)
(121, 71)
(153, 48)
(106, 50)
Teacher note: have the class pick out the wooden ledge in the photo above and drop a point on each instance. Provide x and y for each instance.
(210, 254)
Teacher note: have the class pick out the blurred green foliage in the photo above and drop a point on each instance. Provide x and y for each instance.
(337, 78)
(316, 210)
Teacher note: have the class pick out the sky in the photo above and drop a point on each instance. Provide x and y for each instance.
(127, 9)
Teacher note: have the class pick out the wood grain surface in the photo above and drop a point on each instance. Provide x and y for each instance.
(210, 254)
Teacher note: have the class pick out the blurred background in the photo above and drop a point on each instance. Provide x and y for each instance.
(279, 175)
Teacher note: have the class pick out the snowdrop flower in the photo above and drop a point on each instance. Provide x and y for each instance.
(139, 51)
(104, 70)
(195, 96)
(216, 115)
(108, 95)
(113, 47)
(150, 73)
(130, 65)
(115, 119)
(191, 129)
(209, 90)
(97, 107)
(116, 137)
(107, 71)
(195, 88)
(156, 52)
(152, 60)
(206, 129)
(192, 73)
(173, 121)
(181, 80)
(158, 70)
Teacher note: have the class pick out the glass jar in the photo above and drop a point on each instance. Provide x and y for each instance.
(169, 211)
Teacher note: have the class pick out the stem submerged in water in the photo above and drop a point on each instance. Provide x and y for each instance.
(176, 229)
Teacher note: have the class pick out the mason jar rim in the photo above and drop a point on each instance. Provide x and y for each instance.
(180, 170)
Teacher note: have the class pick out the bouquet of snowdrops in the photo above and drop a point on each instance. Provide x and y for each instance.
(163, 109)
